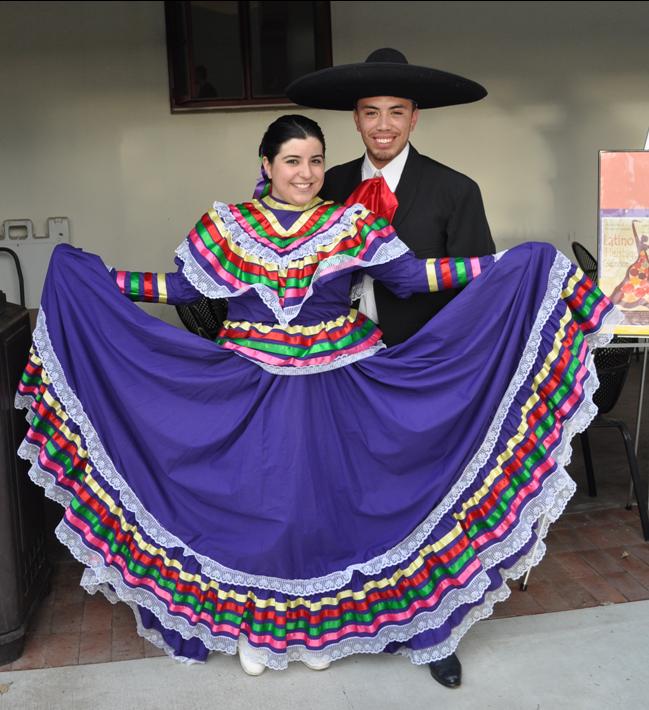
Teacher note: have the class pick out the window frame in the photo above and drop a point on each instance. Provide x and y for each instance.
(179, 57)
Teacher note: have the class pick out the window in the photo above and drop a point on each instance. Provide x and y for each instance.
(228, 54)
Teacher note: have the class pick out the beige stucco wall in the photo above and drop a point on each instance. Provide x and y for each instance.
(86, 132)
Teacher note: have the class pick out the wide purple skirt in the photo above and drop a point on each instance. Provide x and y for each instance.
(381, 505)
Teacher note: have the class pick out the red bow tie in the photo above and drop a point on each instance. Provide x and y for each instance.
(375, 194)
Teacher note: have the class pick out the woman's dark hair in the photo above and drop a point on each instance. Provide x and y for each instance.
(284, 129)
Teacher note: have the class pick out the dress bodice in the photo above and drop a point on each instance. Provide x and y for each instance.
(288, 271)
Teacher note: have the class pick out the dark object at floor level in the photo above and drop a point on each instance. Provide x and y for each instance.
(24, 570)
(612, 365)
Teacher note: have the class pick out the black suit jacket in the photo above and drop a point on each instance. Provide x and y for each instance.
(440, 213)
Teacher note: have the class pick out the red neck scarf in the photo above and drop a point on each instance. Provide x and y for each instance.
(375, 194)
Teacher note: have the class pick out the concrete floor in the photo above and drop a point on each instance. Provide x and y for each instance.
(588, 659)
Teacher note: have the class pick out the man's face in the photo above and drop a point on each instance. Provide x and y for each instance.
(385, 124)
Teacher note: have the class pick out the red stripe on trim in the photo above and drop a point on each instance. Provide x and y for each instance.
(445, 270)
(148, 286)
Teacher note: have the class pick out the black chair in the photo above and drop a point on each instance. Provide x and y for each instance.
(205, 316)
(587, 262)
(612, 365)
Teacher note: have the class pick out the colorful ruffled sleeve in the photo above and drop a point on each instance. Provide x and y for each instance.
(172, 288)
(407, 275)
(455, 271)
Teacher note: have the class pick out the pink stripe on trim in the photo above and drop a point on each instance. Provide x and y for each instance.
(38, 437)
(28, 390)
(594, 321)
(51, 465)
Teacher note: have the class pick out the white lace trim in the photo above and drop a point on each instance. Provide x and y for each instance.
(395, 555)
(23, 401)
(340, 361)
(46, 480)
(208, 286)
(604, 334)
(356, 291)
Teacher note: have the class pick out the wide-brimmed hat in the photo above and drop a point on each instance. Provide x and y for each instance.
(385, 72)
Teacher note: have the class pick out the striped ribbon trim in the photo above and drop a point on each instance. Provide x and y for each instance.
(588, 304)
(454, 272)
(298, 345)
(142, 285)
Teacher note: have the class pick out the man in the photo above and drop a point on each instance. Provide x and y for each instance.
(440, 211)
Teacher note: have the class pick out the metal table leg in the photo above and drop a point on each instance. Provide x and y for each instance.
(630, 496)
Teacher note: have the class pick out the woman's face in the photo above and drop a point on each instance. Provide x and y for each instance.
(297, 172)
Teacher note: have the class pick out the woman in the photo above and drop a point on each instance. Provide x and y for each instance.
(298, 491)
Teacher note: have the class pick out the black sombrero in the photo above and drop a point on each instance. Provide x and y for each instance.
(385, 72)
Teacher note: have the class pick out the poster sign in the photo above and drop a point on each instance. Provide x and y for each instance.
(623, 245)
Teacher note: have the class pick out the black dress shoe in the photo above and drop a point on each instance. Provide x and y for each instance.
(448, 671)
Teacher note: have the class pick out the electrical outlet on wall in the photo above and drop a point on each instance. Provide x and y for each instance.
(58, 229)
(18, 229)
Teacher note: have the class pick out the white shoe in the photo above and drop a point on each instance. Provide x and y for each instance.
(249, 658)
(316, 663)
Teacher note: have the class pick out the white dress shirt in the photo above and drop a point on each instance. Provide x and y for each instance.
(391, 174)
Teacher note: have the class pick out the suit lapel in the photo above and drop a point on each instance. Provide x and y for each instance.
(407, 187)
(354, 176)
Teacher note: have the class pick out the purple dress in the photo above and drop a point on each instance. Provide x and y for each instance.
(296, 481)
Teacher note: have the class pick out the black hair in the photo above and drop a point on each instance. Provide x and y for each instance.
(284, 129)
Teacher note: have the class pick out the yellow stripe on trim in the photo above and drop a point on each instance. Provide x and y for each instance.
(432, 276)
(274, 204)
(162, 288)
(33, 357)
(569, 288)
(307, 212)
(293, 329)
